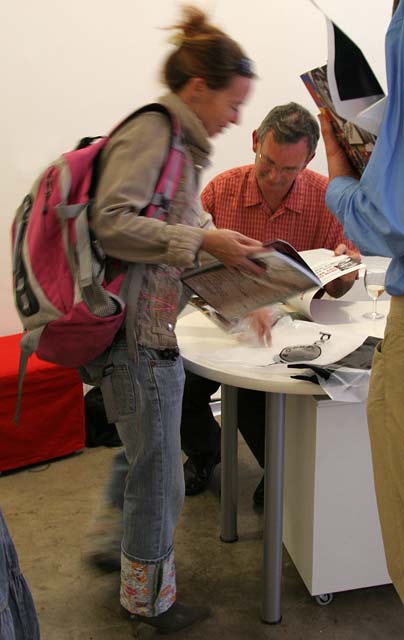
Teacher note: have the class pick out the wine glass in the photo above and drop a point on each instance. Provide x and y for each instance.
(374, 283)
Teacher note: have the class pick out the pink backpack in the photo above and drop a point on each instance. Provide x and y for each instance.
(69, 313)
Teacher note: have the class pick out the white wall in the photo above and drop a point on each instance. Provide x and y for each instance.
(75, 68)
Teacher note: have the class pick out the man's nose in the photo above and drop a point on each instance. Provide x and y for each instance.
(274, 172)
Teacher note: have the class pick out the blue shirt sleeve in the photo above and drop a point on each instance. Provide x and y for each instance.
(363, 220)
(372, 209)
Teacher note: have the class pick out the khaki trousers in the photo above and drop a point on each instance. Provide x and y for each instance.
(385, 411)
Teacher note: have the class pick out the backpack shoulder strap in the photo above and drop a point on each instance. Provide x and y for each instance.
(28, 344)
(170, 173)
(156, 107)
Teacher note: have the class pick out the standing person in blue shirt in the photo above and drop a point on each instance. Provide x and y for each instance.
(372, 212)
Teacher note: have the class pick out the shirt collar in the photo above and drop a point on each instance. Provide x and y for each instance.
(253, 195)
(294, 200)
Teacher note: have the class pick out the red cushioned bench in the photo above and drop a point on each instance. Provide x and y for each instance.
(52, 413)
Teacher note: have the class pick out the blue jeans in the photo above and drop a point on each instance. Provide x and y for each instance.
(115, 488)
(18, 619)
(147, 397)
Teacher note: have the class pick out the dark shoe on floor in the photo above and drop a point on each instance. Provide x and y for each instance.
(177, 617)
(258, 497)
(197, 476)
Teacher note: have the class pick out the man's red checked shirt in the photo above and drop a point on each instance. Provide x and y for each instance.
(235, 202)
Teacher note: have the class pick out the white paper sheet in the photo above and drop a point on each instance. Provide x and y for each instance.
(288, 333)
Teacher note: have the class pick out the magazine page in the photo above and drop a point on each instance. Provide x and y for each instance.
(348, 92)
(233, 293)
(284, 247)
(327, 267)
(300, 307)
(322, 262)
(211, 313)
(355, 91)
(357, 143)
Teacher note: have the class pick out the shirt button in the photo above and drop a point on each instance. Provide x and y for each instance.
(170, 326)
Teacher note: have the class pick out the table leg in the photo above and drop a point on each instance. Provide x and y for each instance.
(273, 506)
(228, 511)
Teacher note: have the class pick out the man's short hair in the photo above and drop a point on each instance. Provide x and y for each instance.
(290, 123)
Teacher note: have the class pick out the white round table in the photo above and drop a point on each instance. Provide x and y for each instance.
(199, 339)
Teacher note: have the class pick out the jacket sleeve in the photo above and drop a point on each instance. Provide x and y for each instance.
(130, 166)
(208, 198)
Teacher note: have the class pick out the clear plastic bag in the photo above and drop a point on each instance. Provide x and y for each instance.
(346, 385)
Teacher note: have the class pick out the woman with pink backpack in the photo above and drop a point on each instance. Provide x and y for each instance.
(209, 79)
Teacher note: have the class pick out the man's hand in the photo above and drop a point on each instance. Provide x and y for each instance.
(233, 249)
(338, 163)
(341, 285)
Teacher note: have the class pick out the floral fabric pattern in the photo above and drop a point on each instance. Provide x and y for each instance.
(148, 589)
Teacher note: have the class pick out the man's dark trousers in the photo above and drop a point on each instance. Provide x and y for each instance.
(200, 433)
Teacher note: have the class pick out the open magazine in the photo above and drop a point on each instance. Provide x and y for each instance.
(290, 277)
(327, 267)
(347, 91)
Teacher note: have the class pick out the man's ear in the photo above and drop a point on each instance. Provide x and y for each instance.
(254, 141)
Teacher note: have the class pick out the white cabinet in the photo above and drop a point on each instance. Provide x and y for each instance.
(331, 527)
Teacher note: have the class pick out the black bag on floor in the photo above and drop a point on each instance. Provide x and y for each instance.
(98, 432)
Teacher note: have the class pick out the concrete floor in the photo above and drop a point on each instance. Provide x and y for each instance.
(48, 509)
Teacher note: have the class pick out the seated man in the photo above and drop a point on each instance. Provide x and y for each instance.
(276, 197)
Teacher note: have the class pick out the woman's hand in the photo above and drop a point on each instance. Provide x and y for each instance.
(233, 249)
